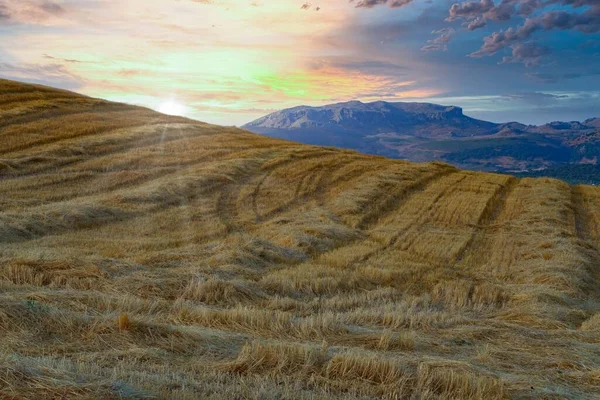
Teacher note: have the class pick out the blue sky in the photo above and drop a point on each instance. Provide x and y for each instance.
(231, 61)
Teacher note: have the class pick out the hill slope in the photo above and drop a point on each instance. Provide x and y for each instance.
(428, 132)
(145, 255)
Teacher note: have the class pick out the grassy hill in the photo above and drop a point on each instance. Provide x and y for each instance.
(149, 256)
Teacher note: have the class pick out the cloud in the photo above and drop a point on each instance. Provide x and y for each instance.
(477, 13)
(65, 60)
(470, 10)
(30, 11)
(586, 22)
(445, 35)
(532, 16)
(52, 8)
(529, 54)
(487, 10)
(538, 98)
(440, 42)
(373, 3)
(371, 67)
(559, 77)
(434, 47)
(477, 23)
(4, 15)
(50, 74)
(502, 39)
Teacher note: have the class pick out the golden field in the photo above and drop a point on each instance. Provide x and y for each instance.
(149, 256)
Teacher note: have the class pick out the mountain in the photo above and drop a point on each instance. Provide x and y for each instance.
(151, 256)
(594, 122)
(430, 132)
(420, 119)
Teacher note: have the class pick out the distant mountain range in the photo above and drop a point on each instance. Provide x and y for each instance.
(426, 132)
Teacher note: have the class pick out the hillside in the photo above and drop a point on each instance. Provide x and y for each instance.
(581, 174)
(429, 132)
(149, 256)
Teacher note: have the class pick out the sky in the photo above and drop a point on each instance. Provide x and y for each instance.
(231, 61)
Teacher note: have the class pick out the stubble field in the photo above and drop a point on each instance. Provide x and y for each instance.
(149, 256)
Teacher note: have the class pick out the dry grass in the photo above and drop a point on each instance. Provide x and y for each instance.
(456, 381)
(148, 256)
(278, 359)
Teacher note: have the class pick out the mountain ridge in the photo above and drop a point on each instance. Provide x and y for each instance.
(419, 108)
(431, 132)
(341, 114)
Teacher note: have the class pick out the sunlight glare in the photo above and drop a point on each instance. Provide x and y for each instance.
(172, 107)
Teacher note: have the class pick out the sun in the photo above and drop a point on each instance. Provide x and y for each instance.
(171, 107)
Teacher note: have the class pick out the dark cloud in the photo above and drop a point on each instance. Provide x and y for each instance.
(373, 3)
(308, 6)
(4, 12)
(527, 16)
(490, 11)
(66, 60)
(500, 40)
(52, 8)
(587, 22)
(478, 13)
(470, 9)
(529, 54)
(29, 10)
(528, 7)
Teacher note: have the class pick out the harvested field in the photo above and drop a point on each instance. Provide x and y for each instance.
(150, 256)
